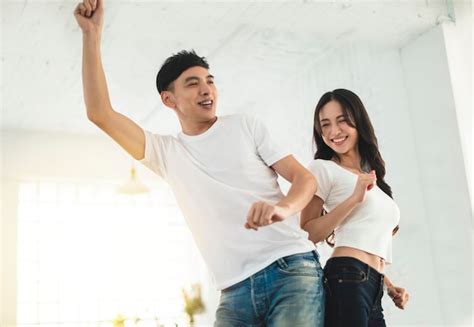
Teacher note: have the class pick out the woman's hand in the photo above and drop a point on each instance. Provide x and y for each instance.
(399, 296)
(365, 182)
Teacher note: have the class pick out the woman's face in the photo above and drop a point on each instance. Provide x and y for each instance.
(336, 132)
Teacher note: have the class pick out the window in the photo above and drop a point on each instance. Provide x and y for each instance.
(87, 254)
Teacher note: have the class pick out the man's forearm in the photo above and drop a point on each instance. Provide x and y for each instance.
(96, 95)
(300, 193)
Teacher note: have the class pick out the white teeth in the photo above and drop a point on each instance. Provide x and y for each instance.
(339, 140)
(205, 103)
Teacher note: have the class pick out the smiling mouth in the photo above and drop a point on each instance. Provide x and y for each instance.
(339, 140)
(207, 104)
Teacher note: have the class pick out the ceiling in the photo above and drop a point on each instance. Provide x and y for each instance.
(249, 44)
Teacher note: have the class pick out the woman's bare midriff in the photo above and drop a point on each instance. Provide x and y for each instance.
(371, 259)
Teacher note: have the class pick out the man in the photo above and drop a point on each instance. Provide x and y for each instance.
(223, 172)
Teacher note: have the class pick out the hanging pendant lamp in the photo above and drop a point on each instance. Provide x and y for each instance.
(133, 186)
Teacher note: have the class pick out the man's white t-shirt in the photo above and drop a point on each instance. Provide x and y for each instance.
(216, 177)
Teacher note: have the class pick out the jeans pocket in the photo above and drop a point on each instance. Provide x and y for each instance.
(347, 274)
(300, 265)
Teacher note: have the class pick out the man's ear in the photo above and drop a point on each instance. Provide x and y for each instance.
(168, 100)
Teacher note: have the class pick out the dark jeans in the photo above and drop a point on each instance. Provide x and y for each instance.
(353, 294)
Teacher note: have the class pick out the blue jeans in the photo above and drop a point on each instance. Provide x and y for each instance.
(354, 292)
(289, 292)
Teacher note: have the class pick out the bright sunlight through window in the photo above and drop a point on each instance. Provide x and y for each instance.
(87, 256)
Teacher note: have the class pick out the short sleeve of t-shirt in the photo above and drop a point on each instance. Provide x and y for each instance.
(156, 147)
(269, 150)
(323, 178)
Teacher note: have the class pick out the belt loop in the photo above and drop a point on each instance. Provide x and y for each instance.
(282, 263)
(316, 255)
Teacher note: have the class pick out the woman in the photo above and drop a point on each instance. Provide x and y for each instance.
(359, 212)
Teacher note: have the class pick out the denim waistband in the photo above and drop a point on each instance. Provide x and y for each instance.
(370, 272)
(314, 253)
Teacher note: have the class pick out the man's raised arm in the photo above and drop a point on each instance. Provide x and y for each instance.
(90, 17)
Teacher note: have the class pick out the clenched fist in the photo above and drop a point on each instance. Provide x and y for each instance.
(90, 15)
(365, 182)
(263, 214)
(399, 296)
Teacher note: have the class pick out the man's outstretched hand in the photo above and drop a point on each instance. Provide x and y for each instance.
(263, 214)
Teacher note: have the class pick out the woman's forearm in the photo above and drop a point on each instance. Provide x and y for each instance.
(321, 227)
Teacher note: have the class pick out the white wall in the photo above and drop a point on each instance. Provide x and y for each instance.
(445, 196)
(28, 154)
(458, 42)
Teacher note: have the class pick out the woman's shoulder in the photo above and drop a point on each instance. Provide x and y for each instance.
(321, 166)
(320, 163)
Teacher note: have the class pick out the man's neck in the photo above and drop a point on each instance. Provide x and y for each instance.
(196, 128)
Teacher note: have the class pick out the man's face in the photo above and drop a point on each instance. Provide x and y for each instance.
(193, 95)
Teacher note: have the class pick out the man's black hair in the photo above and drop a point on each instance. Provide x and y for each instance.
(175, 65)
